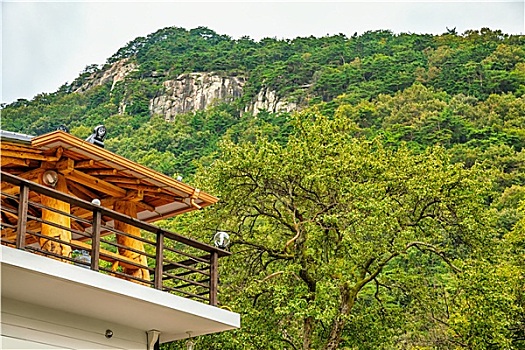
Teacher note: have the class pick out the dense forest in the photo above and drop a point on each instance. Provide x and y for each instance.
(385, 212)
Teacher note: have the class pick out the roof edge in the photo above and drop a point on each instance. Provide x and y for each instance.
(43, 140)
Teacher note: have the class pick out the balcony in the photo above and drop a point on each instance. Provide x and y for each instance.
(169, 262)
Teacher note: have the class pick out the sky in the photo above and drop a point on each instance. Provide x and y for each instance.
(48, 44)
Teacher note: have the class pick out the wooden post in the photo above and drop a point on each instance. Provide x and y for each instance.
(95, 240)
(23, 204)
(159, 257)
(214, 277)
(130, 209)
(63, 220)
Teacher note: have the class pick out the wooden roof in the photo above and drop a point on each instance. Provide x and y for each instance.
(94, 172)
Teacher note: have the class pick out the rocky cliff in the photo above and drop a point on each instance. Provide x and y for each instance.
(268, 100)
(198, 91)
(115, 73)
(195, 91)
(190, 92)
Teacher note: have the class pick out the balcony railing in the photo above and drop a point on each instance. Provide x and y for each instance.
(175, 264)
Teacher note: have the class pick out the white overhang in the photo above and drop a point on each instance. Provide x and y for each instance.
(47, 282)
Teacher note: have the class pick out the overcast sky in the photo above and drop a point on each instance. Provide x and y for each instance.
(46, 44)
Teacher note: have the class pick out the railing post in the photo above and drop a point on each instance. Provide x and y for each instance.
(159, 260)
(23, 205)
(214, 277)
(95, 239)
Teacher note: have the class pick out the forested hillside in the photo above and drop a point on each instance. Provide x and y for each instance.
(376, 203)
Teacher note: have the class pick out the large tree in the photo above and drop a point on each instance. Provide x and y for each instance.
(329, 218)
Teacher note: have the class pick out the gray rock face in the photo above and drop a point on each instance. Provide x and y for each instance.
(195, 91)
(268, 100)
(117, 72)
(198, 91)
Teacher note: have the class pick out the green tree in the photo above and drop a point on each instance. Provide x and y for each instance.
(319, 221)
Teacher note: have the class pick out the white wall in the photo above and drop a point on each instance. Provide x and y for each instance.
(28, 326)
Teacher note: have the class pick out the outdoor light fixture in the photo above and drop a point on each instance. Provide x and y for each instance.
(190, 344)
(50, 178)
(63, 128)
(98, 136)
(96, 201)
(221, 240)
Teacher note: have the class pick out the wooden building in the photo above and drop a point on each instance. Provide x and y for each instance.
(82, 265)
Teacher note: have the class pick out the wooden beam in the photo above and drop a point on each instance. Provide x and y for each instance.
(77, 226)
(14, 161)
(84, 164)
(65, 166)
(138, 197)
(171, 198)
(101, 172)
(94, 183)
(16, 171)
(73, 142)
(10, 215)
(145, 206)
(86, 194)
(123, 180)
(59, 152)
(33, 175)
(10, 147)
(85, 213)
(76, 193)
(28, 155)
(169, 214)
(141, 187)
(33, 226)
(48, 165)
(134, 196)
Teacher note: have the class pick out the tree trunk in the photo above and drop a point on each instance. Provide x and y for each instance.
(130, 208)
(59, 219)
(348, 296)
(308, 330)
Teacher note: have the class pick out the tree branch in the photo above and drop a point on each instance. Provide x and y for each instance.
(434, 250)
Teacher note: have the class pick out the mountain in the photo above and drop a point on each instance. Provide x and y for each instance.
(422, 89)
(176, 71)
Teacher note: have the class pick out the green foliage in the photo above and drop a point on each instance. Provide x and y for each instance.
(320, 220)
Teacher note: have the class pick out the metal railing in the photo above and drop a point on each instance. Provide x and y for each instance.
(175, 264)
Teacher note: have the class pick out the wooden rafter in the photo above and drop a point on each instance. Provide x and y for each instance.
(84, 213)
(31, 175)
(16, 148)
(5, 161)
(67, 168)
(101, 172)
(85, 164)
(31, 155)
(80, 191)
(95, 183)
(121, 180)
(171, 198)
(141, 187)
